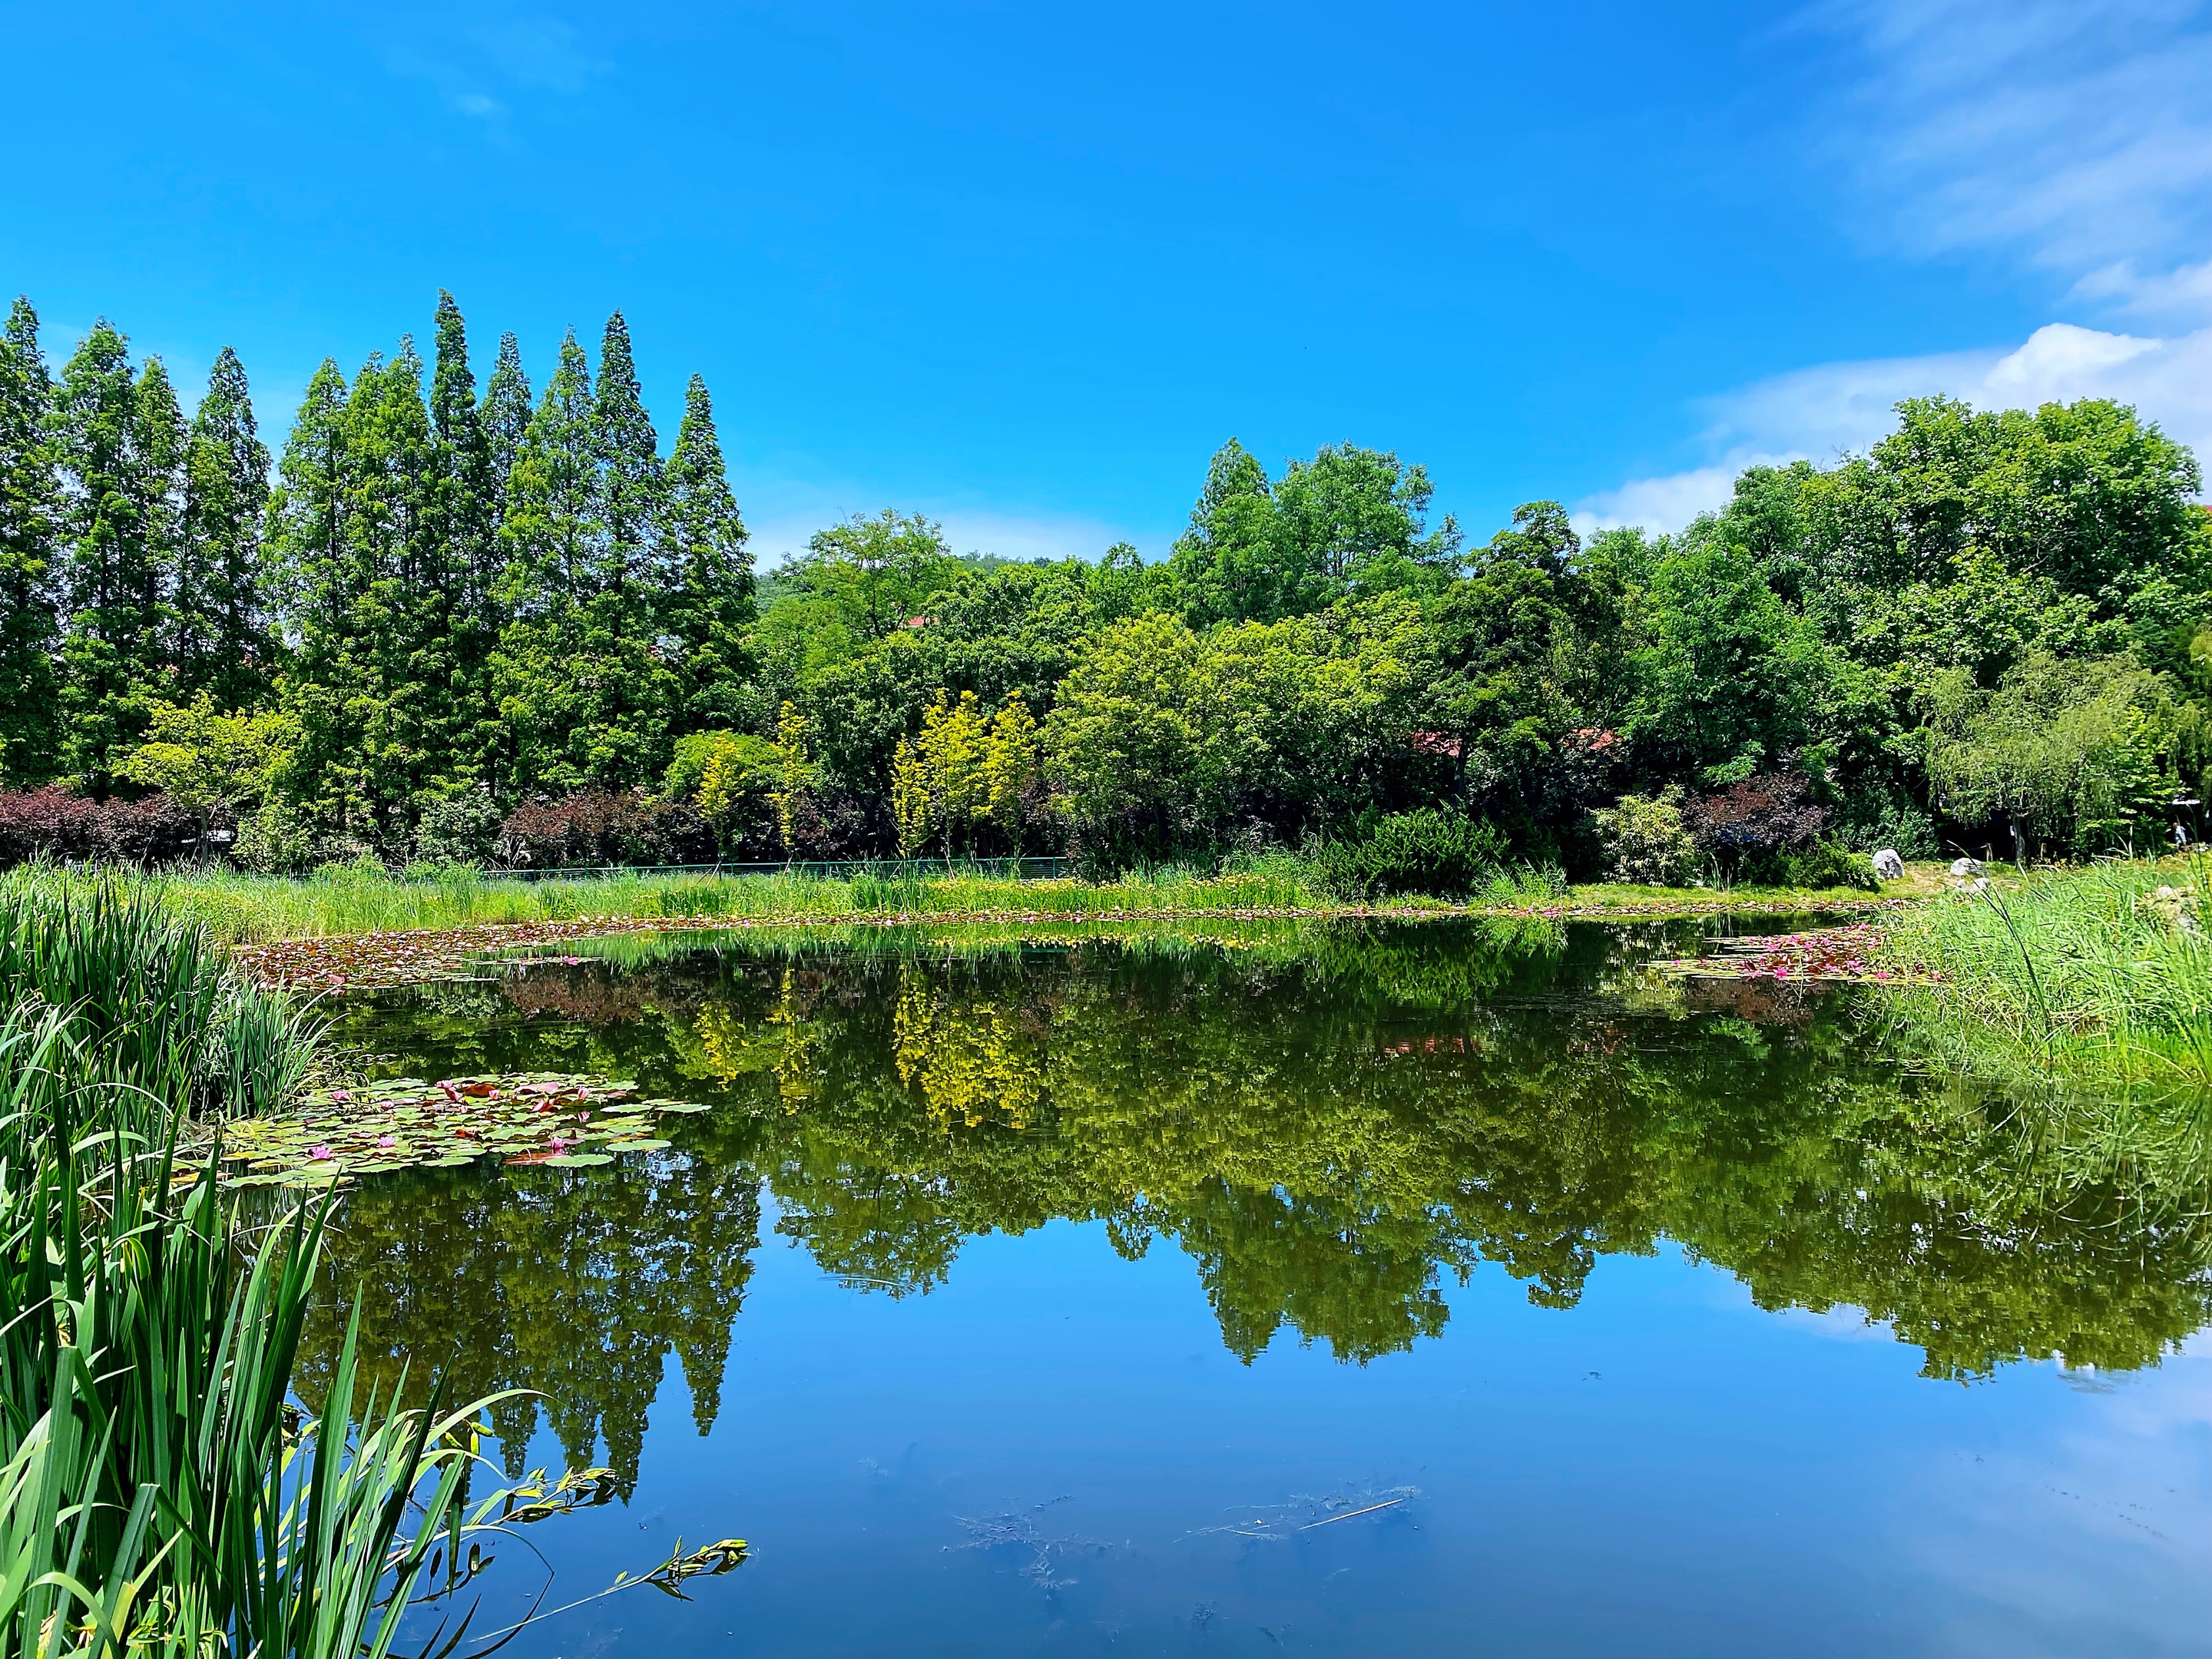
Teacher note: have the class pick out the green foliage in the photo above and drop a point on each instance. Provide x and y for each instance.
(30, 505)
(708, 605)
(1350, 520)
(222, 647)
(1162, 736)
(1645, 841)
(118, 445)
(1731, 674)
(1990, 622)
(1443, 854)
(1826, 863)
(206, 761)
(2078, 751)
(963, 772)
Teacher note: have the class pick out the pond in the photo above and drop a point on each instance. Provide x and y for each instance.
(1420, 1289)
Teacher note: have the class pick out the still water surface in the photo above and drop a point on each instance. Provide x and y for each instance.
(1425, 1290)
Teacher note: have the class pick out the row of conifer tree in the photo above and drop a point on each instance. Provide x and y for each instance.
(441, 584)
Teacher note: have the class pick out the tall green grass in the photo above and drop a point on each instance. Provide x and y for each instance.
(2086, 979)
(240, 909)
(150, 995)
(160, 1493)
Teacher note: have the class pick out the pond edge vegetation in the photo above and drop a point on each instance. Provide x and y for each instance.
(161, 1492)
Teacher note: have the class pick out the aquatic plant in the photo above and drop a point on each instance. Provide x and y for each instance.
(2094, 979)
(160, 1491)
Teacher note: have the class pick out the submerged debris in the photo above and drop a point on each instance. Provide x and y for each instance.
(535, 1118)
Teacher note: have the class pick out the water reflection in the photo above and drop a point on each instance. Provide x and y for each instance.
(1326, 1123)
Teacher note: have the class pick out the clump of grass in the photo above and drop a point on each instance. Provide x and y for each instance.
(149, 996)
(2096, 978)
(158, 1491)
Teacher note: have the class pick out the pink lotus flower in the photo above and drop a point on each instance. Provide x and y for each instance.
(320, 1153)
(387, 1140)
(340, 1094)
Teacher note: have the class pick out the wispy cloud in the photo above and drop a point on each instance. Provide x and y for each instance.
(2078, 132)
(487, 60)
(1818, 413)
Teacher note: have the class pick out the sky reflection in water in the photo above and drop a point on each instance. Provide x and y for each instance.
(1048, 1300)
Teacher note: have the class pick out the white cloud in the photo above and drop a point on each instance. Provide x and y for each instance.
(2077, 130)
(1820, 412)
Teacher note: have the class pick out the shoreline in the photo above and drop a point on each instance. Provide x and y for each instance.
(379, 958)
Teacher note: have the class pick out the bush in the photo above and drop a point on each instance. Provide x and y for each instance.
(53, 824)
(1905, 829)
(1644, 840)
(462, 829)
(1749, 830)
(600, 828)
(1444, 855)
(1827, 863)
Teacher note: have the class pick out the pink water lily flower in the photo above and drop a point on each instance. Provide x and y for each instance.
(387, 1140)
(340, 1094)
(320, 1153)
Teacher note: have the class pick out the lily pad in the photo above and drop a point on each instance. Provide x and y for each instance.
(408, 1122)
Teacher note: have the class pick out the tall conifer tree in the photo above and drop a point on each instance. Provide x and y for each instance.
(467, 508)
(313, 585)
(506, 414)
(709, 575)
(116, 465)
(631, 480)
(400, 703)
(28, 503)
(221, 643)
(621, 620)
(546, 690)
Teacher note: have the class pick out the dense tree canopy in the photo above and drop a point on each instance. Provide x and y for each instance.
(448, 603)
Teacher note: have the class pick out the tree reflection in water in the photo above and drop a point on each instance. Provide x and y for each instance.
(1326, 1121)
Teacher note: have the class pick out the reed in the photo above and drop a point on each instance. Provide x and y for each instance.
(2094, 979)
(160, 1492)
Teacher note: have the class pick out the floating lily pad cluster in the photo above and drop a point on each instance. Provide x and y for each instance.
(1831, 954)
(537, 1118)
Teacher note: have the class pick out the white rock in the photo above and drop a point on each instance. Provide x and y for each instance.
(1888, 865)
(1966, 866)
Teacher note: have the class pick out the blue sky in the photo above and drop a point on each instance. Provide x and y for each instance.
(1025, 267)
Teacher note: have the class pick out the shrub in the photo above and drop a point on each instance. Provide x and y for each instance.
(600, 828)
(1827, 863)
(1907, 829)
(1749, 829)
(1644, 840)
(1444, 855)
(53, 824)
(730, 776)
(462, 829)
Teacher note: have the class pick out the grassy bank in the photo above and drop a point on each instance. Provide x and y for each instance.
(2093, 980)
(247, 909)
